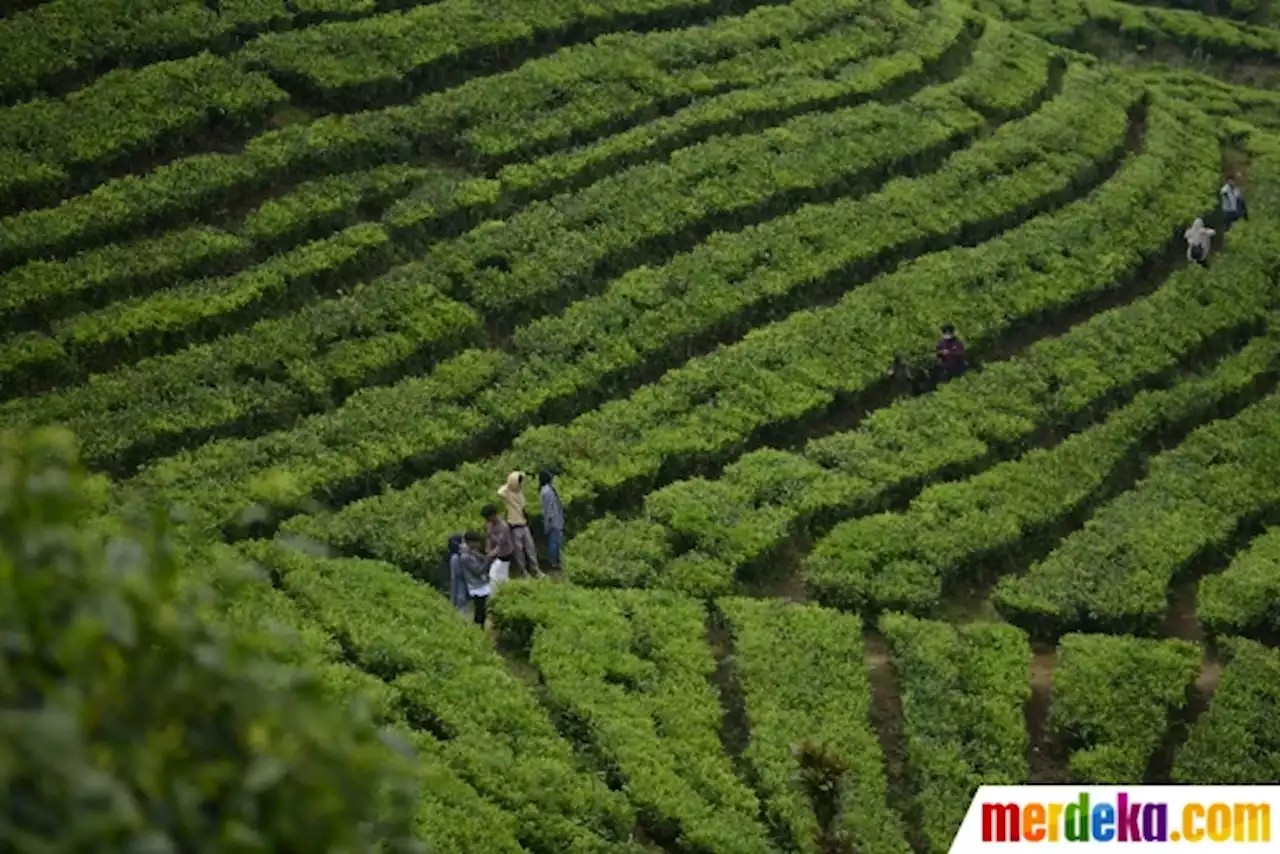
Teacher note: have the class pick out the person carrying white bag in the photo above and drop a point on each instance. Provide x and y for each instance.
(501, 545)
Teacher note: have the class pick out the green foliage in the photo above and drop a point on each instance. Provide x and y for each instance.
(370, 56)
(963, 692)
(765, 496)
(60, 287)
(61, 36)
(130, 111)
(962, 528)
(603, 449)
(366, 138)
(187, 312)
(808, 708)
(398, 318)
(1113, 573)
(1142, 26)
(629, 673)
(1112, 697)
(1246, 597)
(134, 724)
(1235, 743)
(449, 682)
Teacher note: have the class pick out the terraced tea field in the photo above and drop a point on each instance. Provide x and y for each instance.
(319, 273)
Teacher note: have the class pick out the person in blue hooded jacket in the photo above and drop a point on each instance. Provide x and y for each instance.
(552, 517)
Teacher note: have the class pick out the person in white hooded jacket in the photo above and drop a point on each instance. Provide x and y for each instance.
(1199, 239)
(526, 553)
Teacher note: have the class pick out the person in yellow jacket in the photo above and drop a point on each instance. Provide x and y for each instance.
(526, 554)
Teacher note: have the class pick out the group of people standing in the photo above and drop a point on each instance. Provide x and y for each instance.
(477, 565)
(1199, 237)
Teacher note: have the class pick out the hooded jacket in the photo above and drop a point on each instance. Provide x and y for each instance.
(1231, 198)
(1198, 235)
(472, 566)
(512, 495)
(552, 509)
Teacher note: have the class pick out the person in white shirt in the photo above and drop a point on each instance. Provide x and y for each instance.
(1233, 206)
(1199, 239)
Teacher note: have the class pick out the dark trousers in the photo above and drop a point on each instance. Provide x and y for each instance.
(480, 603)
(1229, 219)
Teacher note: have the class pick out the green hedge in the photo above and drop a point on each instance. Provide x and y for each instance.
(62, 38)
(450, 683)
(347, 62)
(399, 301)
(1235, 743)
(556, 250)
(628, 672)
(1246, 597)
(588, 90)
(724, 524)
(39, 291)
(371, 137)
(917, 58)
(979, 526)
(1260, 107)
(262, 378)
(132, 328)
(1112, 701)
(145, 111)
(450, 814)
(774, 257)
(808, 707)
(1114, 573)
(963, 692)
(1072, 22)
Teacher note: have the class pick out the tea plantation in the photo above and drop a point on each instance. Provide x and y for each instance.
(317, 274)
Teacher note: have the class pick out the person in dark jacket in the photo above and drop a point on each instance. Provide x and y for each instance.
(950, 353)
(552, 516)
(1233, 204)
(457, 582)
(475, 574)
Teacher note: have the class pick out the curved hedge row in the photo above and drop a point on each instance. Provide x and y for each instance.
(1114, 574)
(130, 329)
(395, 335)
(150, 110)
(1113, 697)
(766, 496)
(807, 701)
(40, 292)
(951, 201)
(66, 38)
(451, 684)
(1245, 599)
(1067, 22)
(963, 692)
(183, 188)
(353, 62)
(973, 527)
(628, 673)
(1234, 743)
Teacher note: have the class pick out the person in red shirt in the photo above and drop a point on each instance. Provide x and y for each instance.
(950, 350)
